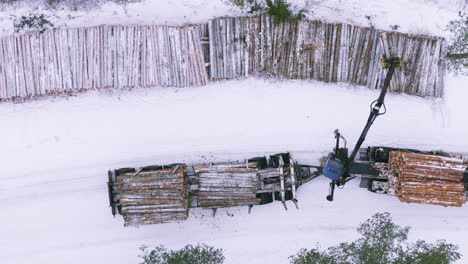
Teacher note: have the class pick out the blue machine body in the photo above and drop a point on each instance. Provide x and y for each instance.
(334, 167)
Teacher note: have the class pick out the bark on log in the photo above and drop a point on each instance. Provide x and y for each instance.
(423, 178)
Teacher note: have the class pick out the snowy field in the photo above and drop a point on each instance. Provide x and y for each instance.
(56, 151)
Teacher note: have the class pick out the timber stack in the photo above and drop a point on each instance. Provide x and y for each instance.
(71, 60)
(328, 52)
(227, 185)
(152, 195)
(426, 178)
(160, 194)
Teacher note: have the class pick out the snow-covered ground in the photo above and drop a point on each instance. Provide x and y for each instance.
(233, 119)
(55, 152)
(75, 226)
(414, 16)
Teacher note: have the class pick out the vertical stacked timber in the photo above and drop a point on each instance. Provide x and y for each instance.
(150, 197)
(423, 63)
(71, 60)
(62, 61)
(227, 185)
(245, 46)
(424, 178)
(204, 36)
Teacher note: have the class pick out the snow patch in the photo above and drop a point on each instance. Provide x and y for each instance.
(410, 15)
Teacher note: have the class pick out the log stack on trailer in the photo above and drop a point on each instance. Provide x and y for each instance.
(151, 195)
(159, 194)
(257, 181)
(428, 179)
(227, 185)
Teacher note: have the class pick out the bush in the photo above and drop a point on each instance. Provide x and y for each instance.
(32, 23)
(281, 11)
(424, 253)
(84, 4)
(382, 241)
(252, 6)
(312, 256)
(72, 4)
(52, 2)
(199, 254)
(7, 1)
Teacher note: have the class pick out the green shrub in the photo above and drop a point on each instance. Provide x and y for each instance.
(53, 2)
(280, 11)
(424, 253)
(199, 254)
(381, 241)
(31, 23)
(72, 4)
(239, 3)
(315, 256)
(251, 6)
(7, 1)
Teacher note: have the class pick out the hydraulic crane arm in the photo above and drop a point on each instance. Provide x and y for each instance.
(375, 108)
(338, 164)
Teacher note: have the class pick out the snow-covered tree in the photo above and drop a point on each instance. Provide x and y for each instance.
(381, 241)
(458, 48)
(198, 254)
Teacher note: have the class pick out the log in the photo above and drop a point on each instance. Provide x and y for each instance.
(424, 178)
(155, 196)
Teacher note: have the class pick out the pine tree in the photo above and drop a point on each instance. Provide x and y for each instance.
(458, 49)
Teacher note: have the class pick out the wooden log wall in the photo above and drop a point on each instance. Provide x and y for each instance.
(424, 178)
(150, 197)
(71, 60)
(246, 46)
(76, 59)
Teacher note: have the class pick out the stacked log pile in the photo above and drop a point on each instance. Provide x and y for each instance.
(424, 178)
(227, 185)
(245, 46)
(150, 197)
(158, 194)
(70, 60)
